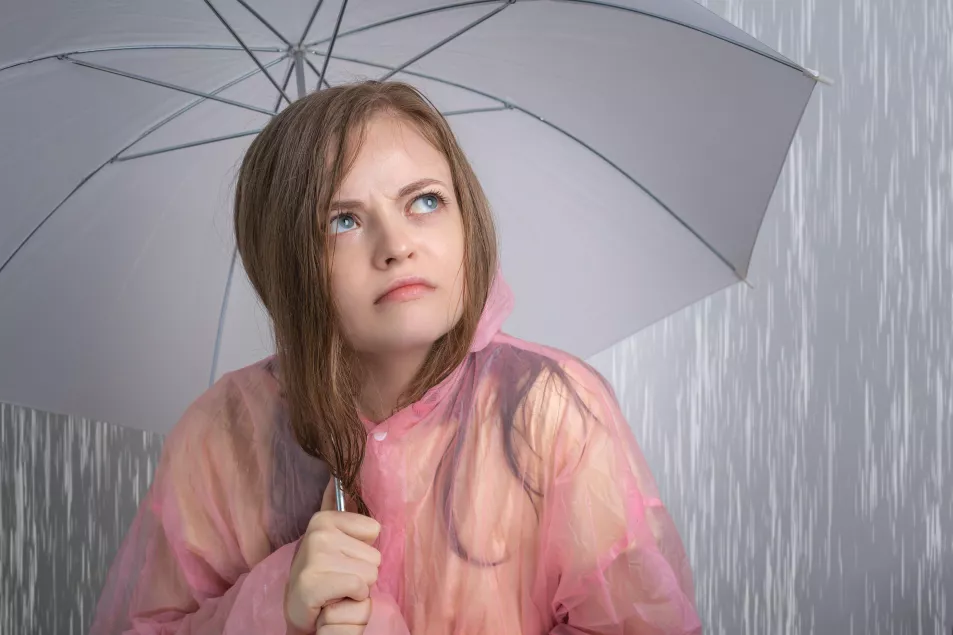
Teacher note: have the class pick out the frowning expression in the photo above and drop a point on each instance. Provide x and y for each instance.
(397, 242)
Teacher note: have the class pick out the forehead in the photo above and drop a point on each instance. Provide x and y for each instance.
(392, 153)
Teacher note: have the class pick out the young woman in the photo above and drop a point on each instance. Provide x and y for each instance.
(494, 486)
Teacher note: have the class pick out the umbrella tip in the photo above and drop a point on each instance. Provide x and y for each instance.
(818, 77)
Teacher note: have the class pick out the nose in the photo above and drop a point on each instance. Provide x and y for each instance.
(395, 242)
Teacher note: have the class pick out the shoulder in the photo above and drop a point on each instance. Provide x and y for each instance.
(559, 378)
(235, 411)
(558, 401)
(569, 415)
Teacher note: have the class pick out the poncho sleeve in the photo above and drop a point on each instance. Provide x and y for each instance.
(211, 547)
(608, 543)
(197, 559)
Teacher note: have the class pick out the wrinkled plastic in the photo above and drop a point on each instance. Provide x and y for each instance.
(513, 499)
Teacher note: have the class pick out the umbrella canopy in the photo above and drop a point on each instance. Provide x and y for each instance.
(629, 150)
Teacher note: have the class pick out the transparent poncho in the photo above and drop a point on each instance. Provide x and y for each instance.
(513, 499)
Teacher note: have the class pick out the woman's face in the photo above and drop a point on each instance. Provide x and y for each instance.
(397, 239)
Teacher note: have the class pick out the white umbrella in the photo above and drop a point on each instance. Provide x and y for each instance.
(629, 150)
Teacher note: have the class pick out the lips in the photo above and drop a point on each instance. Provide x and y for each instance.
(404, 289)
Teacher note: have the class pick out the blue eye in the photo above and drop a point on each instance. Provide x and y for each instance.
(426, 203)
(343, 223)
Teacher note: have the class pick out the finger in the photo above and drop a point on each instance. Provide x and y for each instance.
(355, 525)
(313, 592)
(340, 629)
(305, 601)
(331, 564)
(306, 597)
(354, 548)
(359, 527)
(334, 541)
(345, 612)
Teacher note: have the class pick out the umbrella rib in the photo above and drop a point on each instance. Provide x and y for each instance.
(302, 51)
(307, 28)
(265, 22)
(143, 47)
(649, 193)
(334, 38)
(442, 42)
(183, 146)
(399, 18)
(220, 331)
(228, 26)
(321, 79)
(510, 105)
(439, 80)
(111, 159)
(608, 5)
(407, 16)
(291, 69)
(594, 3)
(470, 111)
(162, 84)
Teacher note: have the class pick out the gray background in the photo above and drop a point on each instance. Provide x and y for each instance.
(800, 430)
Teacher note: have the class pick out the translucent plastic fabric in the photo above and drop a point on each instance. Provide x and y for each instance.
(513, 499)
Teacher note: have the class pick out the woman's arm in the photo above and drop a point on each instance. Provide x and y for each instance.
(197, 559)
(617, 560)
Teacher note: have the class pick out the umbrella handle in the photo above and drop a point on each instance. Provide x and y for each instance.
(339, 495)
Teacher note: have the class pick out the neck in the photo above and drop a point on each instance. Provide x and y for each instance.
(386, 378)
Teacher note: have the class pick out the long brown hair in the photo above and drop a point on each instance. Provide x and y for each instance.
(285, 186)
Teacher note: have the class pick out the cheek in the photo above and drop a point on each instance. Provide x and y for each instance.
(353, 318)
(453, 242)
(456, 267)
(343, 289)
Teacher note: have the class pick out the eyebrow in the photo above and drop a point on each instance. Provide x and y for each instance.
(407, 190)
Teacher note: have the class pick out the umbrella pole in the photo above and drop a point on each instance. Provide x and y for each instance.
(299, 72)
(299, 79)
(339, 495)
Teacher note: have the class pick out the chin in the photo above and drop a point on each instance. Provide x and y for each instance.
(411, 328)
(407, 336)
(410, 340)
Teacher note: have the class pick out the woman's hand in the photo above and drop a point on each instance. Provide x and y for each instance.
(331, 575)
(345, 617)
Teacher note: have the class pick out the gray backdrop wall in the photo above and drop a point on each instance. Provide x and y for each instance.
(801, 431)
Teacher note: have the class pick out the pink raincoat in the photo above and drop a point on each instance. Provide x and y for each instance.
(513, 500)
